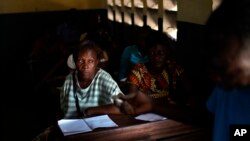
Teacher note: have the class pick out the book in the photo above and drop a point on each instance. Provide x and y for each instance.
(82, 125)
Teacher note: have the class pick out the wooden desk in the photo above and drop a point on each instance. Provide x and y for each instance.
(132, 129)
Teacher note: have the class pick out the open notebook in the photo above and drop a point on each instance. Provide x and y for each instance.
(75, 126)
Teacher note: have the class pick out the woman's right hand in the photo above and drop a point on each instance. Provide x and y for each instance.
(124, 102)
(127, 108)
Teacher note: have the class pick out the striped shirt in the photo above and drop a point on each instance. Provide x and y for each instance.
(99, 92)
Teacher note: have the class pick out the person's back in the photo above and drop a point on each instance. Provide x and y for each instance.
(134, 54)
(230, 107)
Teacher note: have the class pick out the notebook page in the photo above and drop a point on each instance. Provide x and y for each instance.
(73, 126)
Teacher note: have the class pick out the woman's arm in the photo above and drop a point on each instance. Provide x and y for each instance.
(136, 102)
(142, 103)
(104, 109)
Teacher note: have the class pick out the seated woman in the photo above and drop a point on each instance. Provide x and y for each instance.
(89, 87)
(87, 90)
(157, 78)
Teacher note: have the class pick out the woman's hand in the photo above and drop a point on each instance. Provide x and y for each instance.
(89, 111)
(121, 101)
(127, 108)
(133, 103)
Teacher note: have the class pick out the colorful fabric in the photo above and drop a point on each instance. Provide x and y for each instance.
(99, 92)
(155, 86)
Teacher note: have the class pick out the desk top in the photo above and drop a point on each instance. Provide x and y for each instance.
(132, 129)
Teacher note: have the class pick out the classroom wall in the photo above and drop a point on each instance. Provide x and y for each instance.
(20, 6)
(194, 11)
(191, 19)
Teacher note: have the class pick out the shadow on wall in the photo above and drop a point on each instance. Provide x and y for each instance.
(189, 47)
(25, 110)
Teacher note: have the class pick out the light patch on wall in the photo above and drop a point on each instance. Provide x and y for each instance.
(118, 16)
(138, 3)
(110, 14)
(170, 5)
(152, 22)
(110, 2)
(138, 20)
(171, 31)
(153, 4)
(216, 4)
(128, 3)
(169, 16)
(127, 18)
(118, 3)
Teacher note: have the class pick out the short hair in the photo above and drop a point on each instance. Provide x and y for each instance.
(88, 44)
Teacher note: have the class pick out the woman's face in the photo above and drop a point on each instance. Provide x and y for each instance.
(87, 64)
(158, 56)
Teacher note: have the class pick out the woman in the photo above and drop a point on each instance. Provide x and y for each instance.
(89, 87)
(88, 90)
(157, 78)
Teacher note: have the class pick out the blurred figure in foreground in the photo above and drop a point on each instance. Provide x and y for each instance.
(228, 40)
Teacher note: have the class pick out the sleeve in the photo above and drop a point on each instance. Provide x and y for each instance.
(124, 64)
(110, 85)
(134, 76)
(114, 89)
